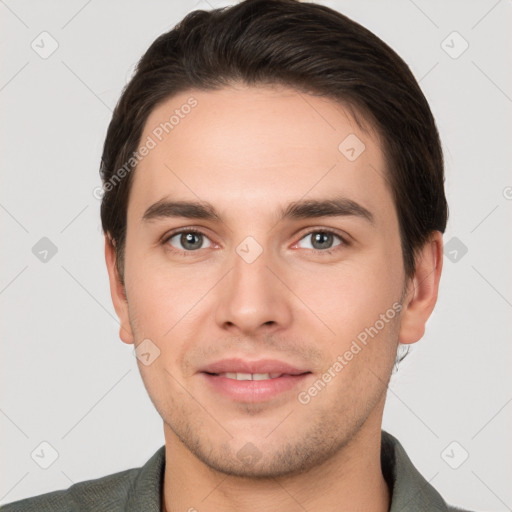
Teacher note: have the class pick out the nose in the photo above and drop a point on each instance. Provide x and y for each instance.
(253, 297)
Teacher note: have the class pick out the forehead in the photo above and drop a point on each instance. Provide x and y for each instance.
(254, 147)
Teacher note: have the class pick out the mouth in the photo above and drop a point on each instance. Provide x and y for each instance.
(248, 376)
(257, 381)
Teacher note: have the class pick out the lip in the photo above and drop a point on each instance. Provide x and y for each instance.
(236, 365)
(252, 391)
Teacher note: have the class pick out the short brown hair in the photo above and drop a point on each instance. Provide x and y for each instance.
(306, 46)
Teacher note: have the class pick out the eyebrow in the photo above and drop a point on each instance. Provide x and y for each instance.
(303, 209)
(336, 207)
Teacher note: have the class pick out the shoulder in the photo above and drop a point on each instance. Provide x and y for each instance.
(410, 491)
(106, 493)
(117, 492)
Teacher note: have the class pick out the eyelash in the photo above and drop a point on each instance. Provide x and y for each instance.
(343, 240)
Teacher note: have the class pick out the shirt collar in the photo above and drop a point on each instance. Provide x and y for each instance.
(146, 492)
(409, 490)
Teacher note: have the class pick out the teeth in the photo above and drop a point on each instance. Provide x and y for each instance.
(250, 376)
(261, 376)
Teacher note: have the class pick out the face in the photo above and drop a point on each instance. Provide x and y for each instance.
(262, 243)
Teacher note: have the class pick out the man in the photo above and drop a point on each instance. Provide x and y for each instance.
(273, 213)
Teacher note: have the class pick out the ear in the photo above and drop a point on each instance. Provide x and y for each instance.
(422, 289)
(117, 291)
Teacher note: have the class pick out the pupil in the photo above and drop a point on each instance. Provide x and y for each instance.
(187, 240)
(322, 239)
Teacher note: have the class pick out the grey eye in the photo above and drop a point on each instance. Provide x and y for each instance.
(320, 240)
(188, 240)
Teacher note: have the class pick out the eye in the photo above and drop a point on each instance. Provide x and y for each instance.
(189, 240)
(321, 240)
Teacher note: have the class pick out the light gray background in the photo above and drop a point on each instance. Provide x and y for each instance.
(67, 379)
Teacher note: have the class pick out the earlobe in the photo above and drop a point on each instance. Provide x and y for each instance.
(421, 295)
(118, 293)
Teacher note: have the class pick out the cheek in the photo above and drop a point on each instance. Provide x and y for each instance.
(163, 298)
(361, 309)
(349, 298)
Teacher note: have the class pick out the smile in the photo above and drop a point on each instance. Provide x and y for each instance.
(253, 387)
(250, 376)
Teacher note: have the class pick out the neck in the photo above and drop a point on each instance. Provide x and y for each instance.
(350, 479)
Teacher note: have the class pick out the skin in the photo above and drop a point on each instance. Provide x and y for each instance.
(250, 151)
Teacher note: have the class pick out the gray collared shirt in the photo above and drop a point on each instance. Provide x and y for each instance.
(140, 489)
